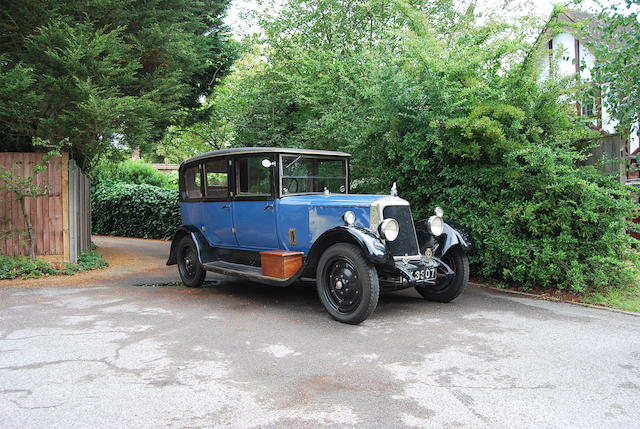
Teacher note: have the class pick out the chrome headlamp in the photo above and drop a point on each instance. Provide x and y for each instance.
(349, 217)
(436, 223)
(389, 229)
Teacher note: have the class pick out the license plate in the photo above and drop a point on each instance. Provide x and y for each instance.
(425, 274)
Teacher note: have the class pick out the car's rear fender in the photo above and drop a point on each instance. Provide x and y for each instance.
(201, 243)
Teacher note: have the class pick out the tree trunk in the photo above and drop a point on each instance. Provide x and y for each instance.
(27, 222)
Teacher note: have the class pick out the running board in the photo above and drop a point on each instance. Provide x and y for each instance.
(248, 272)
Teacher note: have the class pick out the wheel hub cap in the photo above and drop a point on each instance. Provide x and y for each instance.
(343, 286)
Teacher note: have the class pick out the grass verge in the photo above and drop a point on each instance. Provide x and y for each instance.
(13, 267)
(624, 298)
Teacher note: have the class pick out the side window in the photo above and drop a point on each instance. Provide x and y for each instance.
(192, 185)
(215, 174)
(252, 178)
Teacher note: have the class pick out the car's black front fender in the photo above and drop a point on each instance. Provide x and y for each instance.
(453, 234)
(371, 245)
(201, 243)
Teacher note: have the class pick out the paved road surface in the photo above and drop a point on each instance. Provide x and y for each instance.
(106, 353)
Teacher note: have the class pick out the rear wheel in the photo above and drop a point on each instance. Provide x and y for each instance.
(447, 288)
(191, 272)
(347, 283)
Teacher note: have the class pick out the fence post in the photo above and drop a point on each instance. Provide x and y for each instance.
(73, 212)
(65, 207)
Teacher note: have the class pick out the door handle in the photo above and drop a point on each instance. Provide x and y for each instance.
(268, 206)
(226, 206)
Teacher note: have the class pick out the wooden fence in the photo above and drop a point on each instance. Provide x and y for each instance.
(61, 219)
(79, 211)
(608, 155)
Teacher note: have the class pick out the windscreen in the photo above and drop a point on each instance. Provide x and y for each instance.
(305, 174)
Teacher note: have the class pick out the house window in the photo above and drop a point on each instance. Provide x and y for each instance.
(588, 107)
(192, 182)
(216, 178)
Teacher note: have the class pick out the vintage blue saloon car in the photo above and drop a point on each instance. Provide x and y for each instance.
(240, 205)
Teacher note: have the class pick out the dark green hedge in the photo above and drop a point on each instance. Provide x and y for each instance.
(129, 210)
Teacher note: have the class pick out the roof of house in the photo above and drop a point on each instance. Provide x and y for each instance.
(572, 19)
(252, 150)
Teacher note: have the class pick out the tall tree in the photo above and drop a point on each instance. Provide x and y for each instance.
(105, 72)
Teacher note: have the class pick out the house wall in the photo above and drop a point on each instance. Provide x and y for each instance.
(564, 48)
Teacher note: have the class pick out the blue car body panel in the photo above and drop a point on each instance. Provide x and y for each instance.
(265, 225)
(214, 219)
(193, 214)
(312, 215)
(255, 224)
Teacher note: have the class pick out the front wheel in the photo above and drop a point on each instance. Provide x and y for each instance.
(347, 284)
(191, 272)
(448, 288)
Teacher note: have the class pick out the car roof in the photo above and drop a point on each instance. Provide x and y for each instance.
(247, 150)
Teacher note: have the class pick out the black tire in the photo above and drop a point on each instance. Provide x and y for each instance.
(191, 272)
(448, 289)
(347, 283)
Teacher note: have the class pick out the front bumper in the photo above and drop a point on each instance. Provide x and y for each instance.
(411, 272)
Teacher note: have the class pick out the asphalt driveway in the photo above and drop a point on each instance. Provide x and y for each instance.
(99, 351)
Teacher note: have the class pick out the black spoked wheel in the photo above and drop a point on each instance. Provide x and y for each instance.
(347, 284)
(191, 272)
(447, 288)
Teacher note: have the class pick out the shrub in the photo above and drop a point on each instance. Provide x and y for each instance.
(134, 171)
(130, 210)
(12, 267)
(449, 105)
(140, 172)
(22, 266)
(538, 220)
(504, 163)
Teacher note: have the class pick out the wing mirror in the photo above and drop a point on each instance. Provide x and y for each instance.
(266, 163)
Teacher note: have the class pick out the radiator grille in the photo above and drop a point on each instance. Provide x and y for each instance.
(407, 243)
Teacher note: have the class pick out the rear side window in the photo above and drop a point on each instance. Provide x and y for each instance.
(192, 182)
(216, 178)
(253, 179)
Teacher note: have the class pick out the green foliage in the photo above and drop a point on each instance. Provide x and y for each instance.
(624, 298)
(19, 102)
(616, 45)
(90, 261)
(132, 171)
(101, 71)
(448, 105)
(129, 210)
(23, 267)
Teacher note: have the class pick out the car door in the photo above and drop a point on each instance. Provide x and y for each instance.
(254, 217)
(217, 205)
(191, 195)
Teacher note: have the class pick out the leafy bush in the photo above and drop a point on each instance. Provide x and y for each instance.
(140, 172)
(172, 180)
(451, 107)
(22, 266)
(130, 210)
(91, 261)
(12, 267)
(133, 171)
